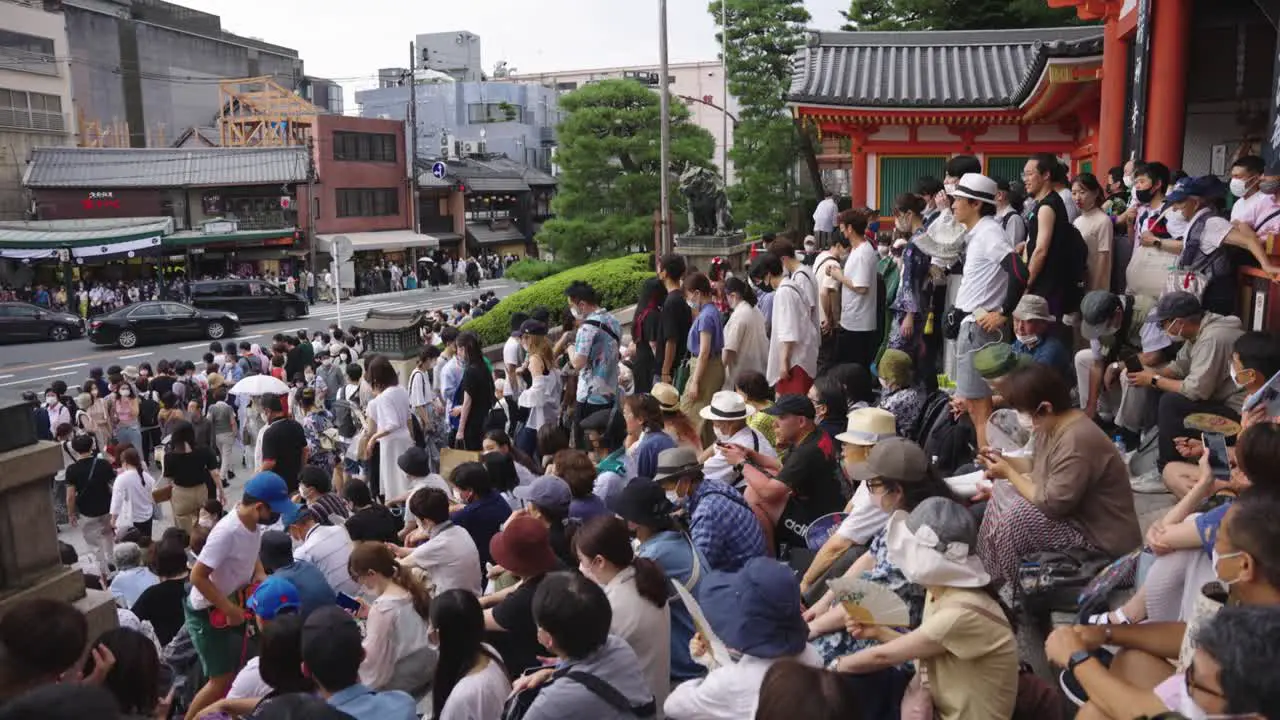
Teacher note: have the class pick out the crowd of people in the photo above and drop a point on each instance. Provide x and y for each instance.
(766, 500)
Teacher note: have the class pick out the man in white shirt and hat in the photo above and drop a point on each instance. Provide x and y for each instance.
(982, 291)
(728, 414)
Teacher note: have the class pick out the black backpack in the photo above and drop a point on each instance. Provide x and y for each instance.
(518, 705)
(1054, 579)
(148, 411)
(345, 417)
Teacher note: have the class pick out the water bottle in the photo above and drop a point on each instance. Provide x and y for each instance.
(1119, 441)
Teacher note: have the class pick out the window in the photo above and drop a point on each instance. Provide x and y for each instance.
(27, 53)
(146, 311)
(494, 112)
(31, 111)
(364, 147)
(176, 310)
(375, 202)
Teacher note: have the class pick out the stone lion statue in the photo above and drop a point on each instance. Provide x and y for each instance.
(708, 204)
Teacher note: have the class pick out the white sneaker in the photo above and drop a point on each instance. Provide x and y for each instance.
(1148, 483)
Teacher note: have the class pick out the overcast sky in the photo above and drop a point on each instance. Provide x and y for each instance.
(349, 41)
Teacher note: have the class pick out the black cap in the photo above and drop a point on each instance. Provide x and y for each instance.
(276, 550)
(1177, 305)
(531, 327)
(415, 462)
(792, 405)
(598, 421)
(643, 502)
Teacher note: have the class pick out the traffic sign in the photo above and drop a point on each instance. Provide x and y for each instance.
(439, 170)
(341, 250)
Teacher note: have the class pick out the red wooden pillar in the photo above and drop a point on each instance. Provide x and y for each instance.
(1167, 101)
(1111, 123)
(858, 170)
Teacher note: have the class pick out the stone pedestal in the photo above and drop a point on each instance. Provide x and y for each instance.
(30, 565)
(699, 249)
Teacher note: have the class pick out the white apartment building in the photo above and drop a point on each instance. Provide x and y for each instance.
(35, 91)
(699, 84)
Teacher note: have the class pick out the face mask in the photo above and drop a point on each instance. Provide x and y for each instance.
(577, 314)
(1144, 196)
(949, 187)
(1238, 187)
(884, 384)
(326, 361)
(125, 392)
(1172, 335)
(1217, 558)
(673, 497)
(1270, 187)
(51, 399)
(1128, 181)
(693, 305)
(206, 521)
(1028, 340)
(271, 519)
(1187, 707)
(883, 250)
(1235, 380)
(723, 437)
(309, 377)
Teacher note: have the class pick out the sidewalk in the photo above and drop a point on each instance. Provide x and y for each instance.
(428, 292)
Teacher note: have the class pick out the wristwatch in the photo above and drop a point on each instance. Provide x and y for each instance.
(1078, 657)
(1156, 243)
(1155, 381)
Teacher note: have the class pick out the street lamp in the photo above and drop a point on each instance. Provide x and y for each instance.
(664, 151)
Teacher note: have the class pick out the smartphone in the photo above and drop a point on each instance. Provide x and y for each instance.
(1132, 363)
(348, 603)
(1216, 445)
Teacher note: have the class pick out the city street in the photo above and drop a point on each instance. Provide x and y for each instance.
(33, 366)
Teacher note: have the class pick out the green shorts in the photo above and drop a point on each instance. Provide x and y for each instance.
(219, 649)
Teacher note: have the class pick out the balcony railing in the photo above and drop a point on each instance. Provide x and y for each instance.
(25, 61)
(32, 120)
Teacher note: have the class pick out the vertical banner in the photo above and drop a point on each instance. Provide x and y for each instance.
(1141, 70)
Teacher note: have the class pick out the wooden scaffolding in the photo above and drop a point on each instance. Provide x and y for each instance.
(257, 112)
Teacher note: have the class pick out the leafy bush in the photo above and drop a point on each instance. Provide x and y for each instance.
(617, 281)
(532, 270)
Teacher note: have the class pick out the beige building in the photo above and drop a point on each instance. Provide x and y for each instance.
(699, 84)
(35, 91)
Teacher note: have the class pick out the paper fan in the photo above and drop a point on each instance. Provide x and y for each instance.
(716, 648)
(870, 603)
(1208, 422)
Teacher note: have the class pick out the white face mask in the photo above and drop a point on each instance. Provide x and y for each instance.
(1218, 557)
(1232, 370)
(723, 437)
(1028, 340)
(949, 187)
(673, 497)
(693, 305)
(884, 384)
(310, 376)
(1128, 181)
(1238, 187)
(206, 521)
(577, 314)
(51, 399)
(882, 250)
(125, 392)
(1172, 335)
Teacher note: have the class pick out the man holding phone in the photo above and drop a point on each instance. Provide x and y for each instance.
(1122, 338)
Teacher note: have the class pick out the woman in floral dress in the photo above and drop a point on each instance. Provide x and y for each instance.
(322, 450)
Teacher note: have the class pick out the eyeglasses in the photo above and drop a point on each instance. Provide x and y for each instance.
(1190, 677)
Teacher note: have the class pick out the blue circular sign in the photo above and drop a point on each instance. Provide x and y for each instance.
(439, 170)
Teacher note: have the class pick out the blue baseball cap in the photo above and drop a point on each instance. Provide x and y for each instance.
(274, 595)
(271, 489)
(1204, 186)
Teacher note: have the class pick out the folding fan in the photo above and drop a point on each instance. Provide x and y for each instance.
(870, 603)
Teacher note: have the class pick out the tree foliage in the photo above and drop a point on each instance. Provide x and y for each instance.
(762, 35)
(954, 15)
(609, 186)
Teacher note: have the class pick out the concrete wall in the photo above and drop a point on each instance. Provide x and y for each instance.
(175, 87)
(335, 174)
(442, 110)
(51, 78)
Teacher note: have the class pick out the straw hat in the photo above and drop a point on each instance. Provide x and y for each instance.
(868, 426)
(667, 396)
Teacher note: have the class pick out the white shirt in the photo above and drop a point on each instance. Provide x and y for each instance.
(824, 216)
(420, 391)
(728, 693)
(328, 547)
(131, 495)
(1214, 232)
(864, 520)
(746, 336)
(826, 283)
(858, 310)
(248, 682)
(390, 411)
(984, 282)
(511, 356)
(1073, 210)
(646, 628)
(478, 696)
(717, 468)
(450, 559)
(1244, 208)
(793, 322)
(58, 415)
(231, 552)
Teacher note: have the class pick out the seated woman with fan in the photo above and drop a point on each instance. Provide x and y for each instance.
(1074, 493)
(898, 476)
(965, 643)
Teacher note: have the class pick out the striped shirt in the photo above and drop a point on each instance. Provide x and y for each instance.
(328, 547)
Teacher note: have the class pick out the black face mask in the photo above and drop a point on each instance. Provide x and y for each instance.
(271, 519)
(1145, 196)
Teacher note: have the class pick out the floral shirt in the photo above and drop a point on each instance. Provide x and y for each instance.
(598, 340)
(906, 404)
(322, 451)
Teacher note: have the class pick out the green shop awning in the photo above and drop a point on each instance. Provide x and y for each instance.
(63, 234)
(184, 238)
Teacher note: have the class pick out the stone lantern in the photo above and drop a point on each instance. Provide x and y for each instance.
(397, 336)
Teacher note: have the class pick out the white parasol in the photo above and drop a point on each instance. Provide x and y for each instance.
(260, 385)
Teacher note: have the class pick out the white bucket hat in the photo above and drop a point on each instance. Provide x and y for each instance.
(936, 545)
(727, 405)
(868, 426)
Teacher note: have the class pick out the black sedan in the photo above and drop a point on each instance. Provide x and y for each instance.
(24, 322)
(150, 322)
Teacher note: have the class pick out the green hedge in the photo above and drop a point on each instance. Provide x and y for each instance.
(532, 270)
(617, 281)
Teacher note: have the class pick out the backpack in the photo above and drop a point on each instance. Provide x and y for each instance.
(148, 410)
(345, 414)
(247, 367)
(518, 704)
(1055, 579)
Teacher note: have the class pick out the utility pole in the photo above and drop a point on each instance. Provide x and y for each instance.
(312, 211)
(664, 152)
(724, 77)
(412, 119)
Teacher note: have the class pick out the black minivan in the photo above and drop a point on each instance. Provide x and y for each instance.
(251, 300)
